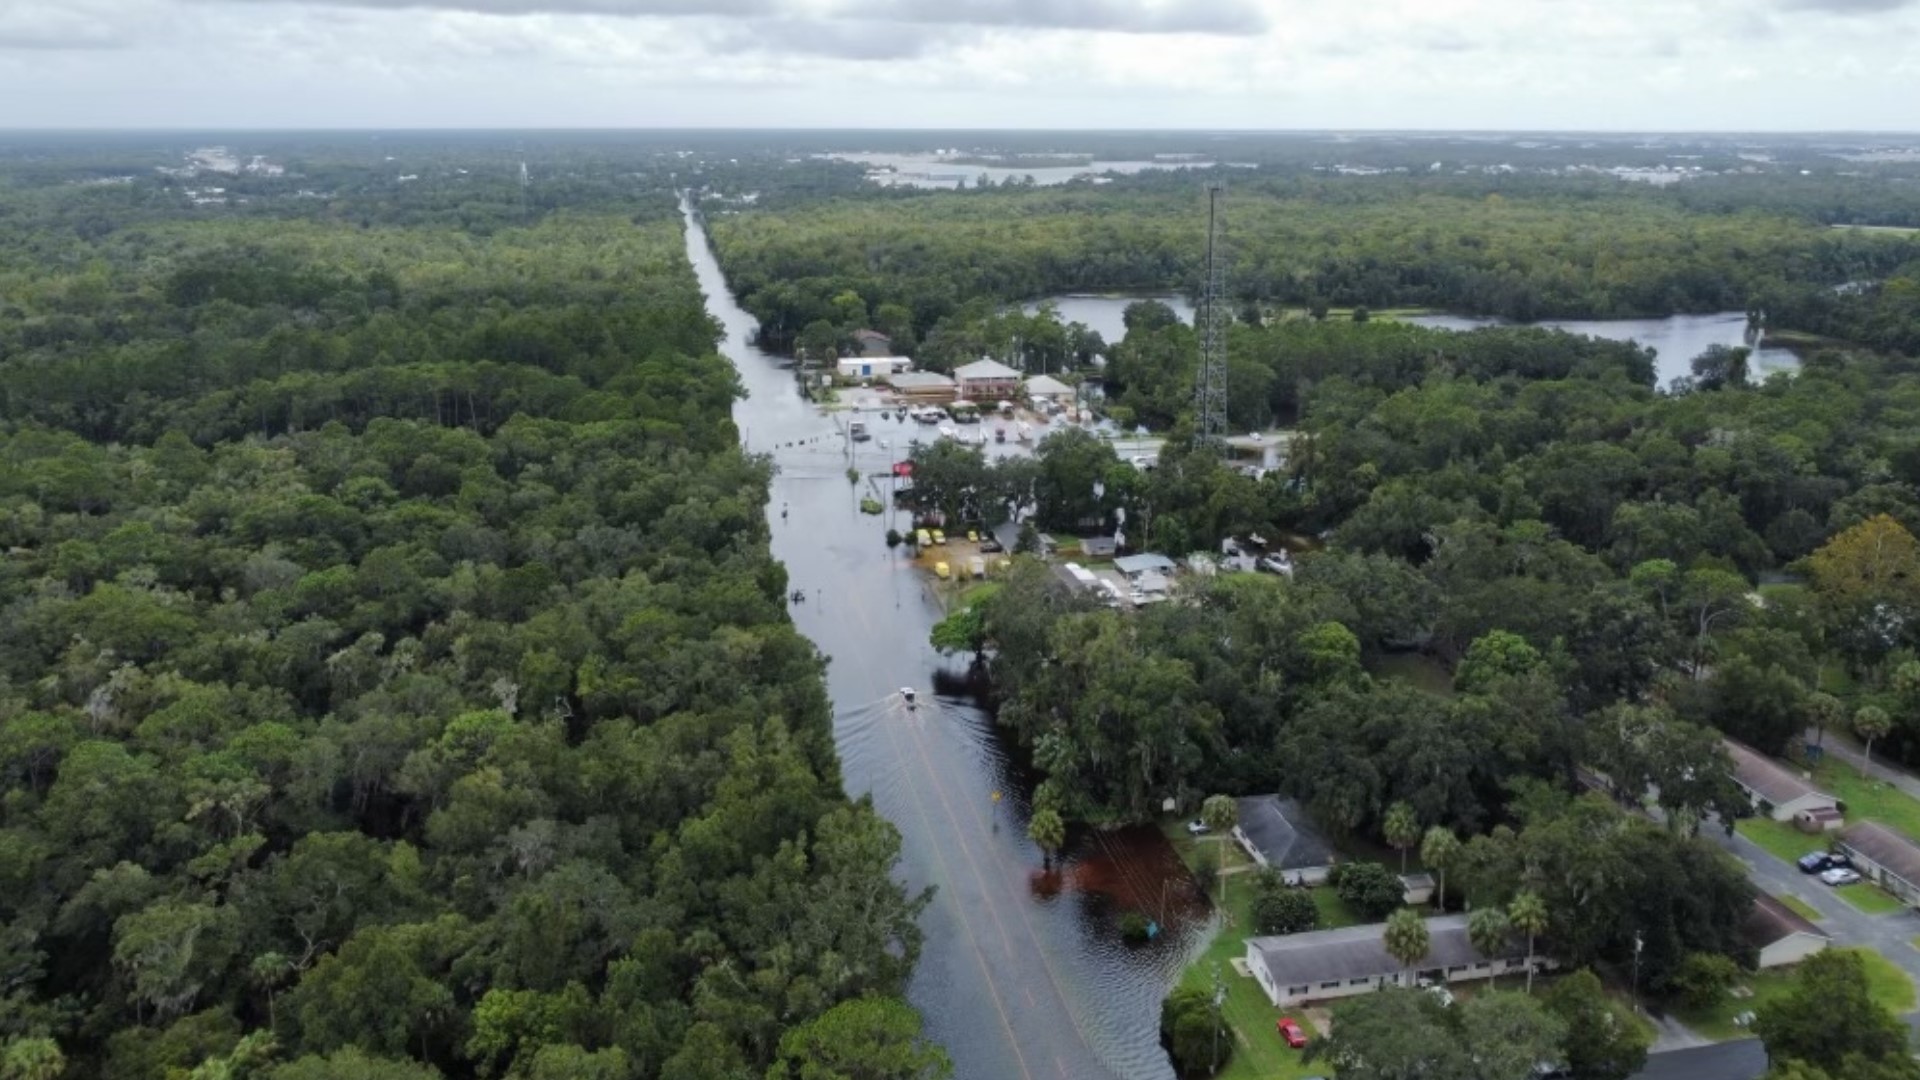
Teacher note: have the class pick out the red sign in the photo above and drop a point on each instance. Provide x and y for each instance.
(903, 468)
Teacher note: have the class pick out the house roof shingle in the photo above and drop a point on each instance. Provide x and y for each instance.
(1771, 921)
(1282, 832)
(1775, 782)
(1359, 952)
(985, 369)
(1884, 846)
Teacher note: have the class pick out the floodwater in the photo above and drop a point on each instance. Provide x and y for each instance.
(1023, 975)
(933, 172)
(1676, 340)
(1106, 314)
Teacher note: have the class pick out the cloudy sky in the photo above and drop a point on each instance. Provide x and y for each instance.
(1588, 64)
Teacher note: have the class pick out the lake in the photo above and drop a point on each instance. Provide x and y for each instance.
(1105, 313)
(1676, 340)
(933, 172)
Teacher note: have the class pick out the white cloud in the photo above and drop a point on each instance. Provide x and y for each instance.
(1664, 64)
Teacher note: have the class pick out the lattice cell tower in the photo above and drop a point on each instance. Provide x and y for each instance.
(1210, 388)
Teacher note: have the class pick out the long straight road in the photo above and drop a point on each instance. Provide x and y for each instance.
(1017, 982)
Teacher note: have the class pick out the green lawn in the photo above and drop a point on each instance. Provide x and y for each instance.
(1888, 985)
(1871, 899)
(1871, 800)
(1781, 839)
(1799, 907)
(1259, 1052)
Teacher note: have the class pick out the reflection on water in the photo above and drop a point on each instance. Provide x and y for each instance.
(1020, 978)
(1106, 314)
(1676, 340)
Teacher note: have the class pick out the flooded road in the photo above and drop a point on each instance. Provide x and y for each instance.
(1023, 975)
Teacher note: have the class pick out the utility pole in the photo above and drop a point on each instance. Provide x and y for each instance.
(1210, 390)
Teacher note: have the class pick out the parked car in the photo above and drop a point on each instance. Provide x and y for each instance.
(1291, 1032)
(1840, 875)
(1813, 862)
(1197, 828)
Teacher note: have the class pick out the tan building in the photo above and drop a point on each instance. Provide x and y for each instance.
(987, 380)
(1779, 936)
(1353, 960)
(1774, 789)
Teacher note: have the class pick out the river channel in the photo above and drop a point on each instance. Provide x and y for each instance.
(1022, 975)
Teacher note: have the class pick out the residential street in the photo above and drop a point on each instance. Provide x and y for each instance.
(1889, 935)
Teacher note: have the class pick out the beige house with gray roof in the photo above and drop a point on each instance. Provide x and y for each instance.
(1354, 960)
(1774, 789)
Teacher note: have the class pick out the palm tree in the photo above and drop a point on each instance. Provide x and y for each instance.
(1825, 711)
(1870, 723)
(1488, 929)
(1528, 913)
(1402, 830)
(1218, 813)
(1437, 849)
(1406, 937)
(1049, 831)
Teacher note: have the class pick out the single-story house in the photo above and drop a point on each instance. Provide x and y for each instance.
(873, 343)
(1098, 547)
(923, 386)
(1137, 566)
(1047, 388)
(987, 380)
(1779, 935)
(872, 367)
(1353, 960)
(1774, 789)
(1277, 833)
(1883, 857)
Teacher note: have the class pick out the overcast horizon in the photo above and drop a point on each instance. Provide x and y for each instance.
(1627, 66)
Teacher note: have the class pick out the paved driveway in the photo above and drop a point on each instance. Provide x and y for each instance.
(1891, 935)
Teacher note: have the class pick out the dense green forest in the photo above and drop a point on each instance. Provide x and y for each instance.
(1584, 556)
(394, 679)
(1521, 247)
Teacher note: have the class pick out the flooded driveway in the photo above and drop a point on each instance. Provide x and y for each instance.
(1023, 975)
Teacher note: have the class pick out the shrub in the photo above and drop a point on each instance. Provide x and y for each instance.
(1370, 889)
(1193, 1034)
(1281, 909)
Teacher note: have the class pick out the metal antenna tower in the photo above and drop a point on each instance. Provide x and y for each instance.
(1210, 388)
